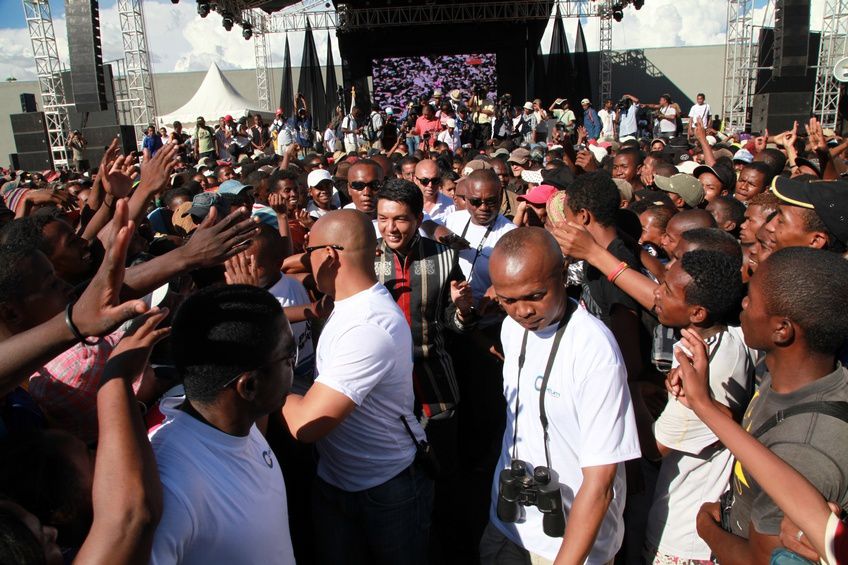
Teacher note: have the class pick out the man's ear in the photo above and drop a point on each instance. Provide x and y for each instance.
(246, 386)
(784, 331)
(698, 314)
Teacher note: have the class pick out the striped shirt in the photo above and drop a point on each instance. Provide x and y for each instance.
(420, 284)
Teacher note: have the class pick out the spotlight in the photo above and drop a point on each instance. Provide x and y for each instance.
(227, 20)
(638, 4)
(203, 9)
(175, 1)
(247, 30)
(617, 12)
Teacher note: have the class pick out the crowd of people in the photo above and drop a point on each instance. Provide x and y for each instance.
(498, 333)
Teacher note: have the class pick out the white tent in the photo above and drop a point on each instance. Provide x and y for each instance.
(215, 98)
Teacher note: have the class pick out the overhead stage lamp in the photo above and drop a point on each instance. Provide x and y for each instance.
(617, 12)
(203, 9)
(638, 4)
(247, 30)
(227, 21)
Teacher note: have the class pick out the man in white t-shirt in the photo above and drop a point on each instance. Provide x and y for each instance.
(555, 348)
(700, 292)
(352, 130)
(628, 125)
(607, 116)
(437, 205)
(360, 409)
(224, 498)
(700, 112)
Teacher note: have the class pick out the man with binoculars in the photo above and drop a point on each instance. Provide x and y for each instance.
(559, 486)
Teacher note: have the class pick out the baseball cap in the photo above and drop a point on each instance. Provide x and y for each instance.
(624, 188)
(800, 161)
(744, 156)
(389, 111)
(687, 167)
(598, 152)
(228, 118)
(475, 165)
(528, 105)
(451, 123)
(725, 174)
(182, 220)
(232, 186)
(559, 178)
(519, 156)
(203, 202)
(559, 101)
(267, 216)
(683, 185)
(829, 199)
(532, 176)
(318, 176)
(501, 151)
(539, 195)
(585, 101)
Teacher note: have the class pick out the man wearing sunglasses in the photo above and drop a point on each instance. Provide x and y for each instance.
(360, 409)
(428, 178)
(364, 179)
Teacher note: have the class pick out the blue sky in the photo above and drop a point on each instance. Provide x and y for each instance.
(179, 40)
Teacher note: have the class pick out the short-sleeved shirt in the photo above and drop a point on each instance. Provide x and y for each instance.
(599, 295)
(590, 423)
(812, 443)
(700, 112)
(205, 140)
(565, 117)
(668, 126)
(365, 353)
(289, 292)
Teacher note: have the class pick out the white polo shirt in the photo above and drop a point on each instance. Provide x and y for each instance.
(365, 353)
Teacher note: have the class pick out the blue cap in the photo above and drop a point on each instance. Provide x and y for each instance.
(232, 186)
(201, 203)
(267, 216)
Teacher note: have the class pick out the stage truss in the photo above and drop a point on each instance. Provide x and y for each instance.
(833, 47)
(138, 77)
(48, 68)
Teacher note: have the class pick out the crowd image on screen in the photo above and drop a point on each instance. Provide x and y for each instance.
(449, 326)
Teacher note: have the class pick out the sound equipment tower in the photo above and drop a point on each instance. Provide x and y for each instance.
(86, 55)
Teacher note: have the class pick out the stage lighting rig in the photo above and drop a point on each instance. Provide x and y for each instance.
(638, 4)
(617, 12)
(227, 20)
(247, 30)
(203, 9)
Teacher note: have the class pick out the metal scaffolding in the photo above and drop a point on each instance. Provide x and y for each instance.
(258, 21)
(40, 25)
(833, 47)
(740, 62)
(137, 60)
(352, 19)
(605, 49)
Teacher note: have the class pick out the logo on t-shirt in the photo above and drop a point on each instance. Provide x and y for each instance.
(548, 390)
(266, 455)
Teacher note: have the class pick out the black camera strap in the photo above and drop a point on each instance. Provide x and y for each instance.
(479, 249)
(543, 417)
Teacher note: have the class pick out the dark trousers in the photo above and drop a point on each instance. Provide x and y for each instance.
(388, 524)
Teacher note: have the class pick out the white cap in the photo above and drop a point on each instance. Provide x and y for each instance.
(711, 140)
(687, 167)
(598, 152)
(389, 110)
(317, 176)
(528, 105)
(451, 123)
(532, 176)
(585, 102)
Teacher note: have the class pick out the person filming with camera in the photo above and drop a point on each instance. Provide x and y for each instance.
(559, 486)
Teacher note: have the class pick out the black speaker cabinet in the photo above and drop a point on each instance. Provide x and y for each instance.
(28, 102)
(86, 55)
(777, 110)
(791, 37)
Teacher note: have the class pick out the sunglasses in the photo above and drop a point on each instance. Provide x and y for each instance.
(426, 182)
(359, 185)
(477, 202)
(310, 249)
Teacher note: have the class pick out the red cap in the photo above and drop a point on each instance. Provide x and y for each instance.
(228, 118)
(279, 111)
(539, 195)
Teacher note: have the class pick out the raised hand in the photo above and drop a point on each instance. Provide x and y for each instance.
(815, 134)
(155, 171)
(574, 240)
(129, 358)
(214, 242)
(691, 379)
(241, 269)
(277, 202)
(99, 310)
(586, 160)
(304, 219)
(460, 293)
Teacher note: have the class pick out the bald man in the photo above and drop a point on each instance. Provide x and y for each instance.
(356, 409)
(552, 345)
(364, 179)
(428, 179)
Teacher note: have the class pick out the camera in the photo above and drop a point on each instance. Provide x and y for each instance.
(518, 486)
(624, 104)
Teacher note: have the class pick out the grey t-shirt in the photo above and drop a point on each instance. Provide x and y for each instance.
(814, 444)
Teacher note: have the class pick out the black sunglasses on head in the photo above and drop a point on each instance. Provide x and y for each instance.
(426, 182)
(359, 185)
(310, 249)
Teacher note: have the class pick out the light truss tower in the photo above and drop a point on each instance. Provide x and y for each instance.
(605, 50)
(739, 65)
(259, 23)
(833, 46)
(40, 26)
(137, 59)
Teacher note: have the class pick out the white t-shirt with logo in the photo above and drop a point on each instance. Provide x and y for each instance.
(289, 292)
(667, 126)
(365, 353)
(698, 467)
(224, 496)
(480, 279)
(590, 423)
